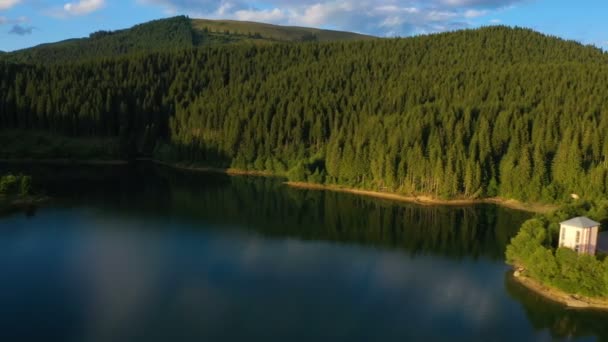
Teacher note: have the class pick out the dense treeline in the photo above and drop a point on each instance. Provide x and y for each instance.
(535, 249)
(166, 35)
(494, 111)
(157, 35)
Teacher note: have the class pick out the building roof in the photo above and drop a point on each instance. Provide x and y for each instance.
(581, 222)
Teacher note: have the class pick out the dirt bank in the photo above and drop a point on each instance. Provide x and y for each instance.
(427, 200)
(553, 294)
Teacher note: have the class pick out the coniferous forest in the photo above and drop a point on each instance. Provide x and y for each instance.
(495, 111)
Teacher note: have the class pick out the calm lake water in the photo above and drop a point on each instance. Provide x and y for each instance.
(143, 253)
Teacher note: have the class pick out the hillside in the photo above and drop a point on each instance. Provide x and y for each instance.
(256, 31)
(496, 111)
(169, 34)
(158, 35)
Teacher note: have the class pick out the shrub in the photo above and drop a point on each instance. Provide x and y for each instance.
(11, 185)
(8, 185)
(25, 185)
(530, 237)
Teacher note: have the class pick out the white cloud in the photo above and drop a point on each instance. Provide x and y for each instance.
(83, 7)
(274, 15)
(6, 4)
(379, 17)
(321, 14)
(479, 3)
(473, 13)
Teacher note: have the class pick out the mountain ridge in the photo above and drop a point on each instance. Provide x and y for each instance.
(168, 34)
(278, 32)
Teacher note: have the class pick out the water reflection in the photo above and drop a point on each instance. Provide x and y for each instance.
(142, 282)
(563, 323)
(270, 208)
(276, 211)
(147, 254)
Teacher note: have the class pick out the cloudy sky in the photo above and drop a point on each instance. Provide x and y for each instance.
(24, 23)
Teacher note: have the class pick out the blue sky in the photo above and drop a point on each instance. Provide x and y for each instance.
(24, 23)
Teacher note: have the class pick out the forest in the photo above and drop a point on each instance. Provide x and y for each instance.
(495, 111)
(157, 35)
(170, 34)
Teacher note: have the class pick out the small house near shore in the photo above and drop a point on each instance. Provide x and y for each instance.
(579, 234)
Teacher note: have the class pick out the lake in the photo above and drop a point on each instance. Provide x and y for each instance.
(144, 253)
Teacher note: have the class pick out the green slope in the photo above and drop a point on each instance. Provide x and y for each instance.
(259, 31)
(169, 34)
(156, 35)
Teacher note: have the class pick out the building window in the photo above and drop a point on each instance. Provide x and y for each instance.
(578, 237)
(563, 234)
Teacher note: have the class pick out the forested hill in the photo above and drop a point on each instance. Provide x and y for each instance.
(170, 34)
(493, 111)
(252, 31)
(158, 35)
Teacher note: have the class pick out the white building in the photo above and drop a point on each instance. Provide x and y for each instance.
(579, 234)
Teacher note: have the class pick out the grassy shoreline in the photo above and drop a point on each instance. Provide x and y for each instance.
(559, 296)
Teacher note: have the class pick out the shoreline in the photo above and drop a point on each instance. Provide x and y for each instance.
(538, 208)
(574, 302)
(420, 200)
(428, 200)
(209, 169)
(28, 201)
(22, 203)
